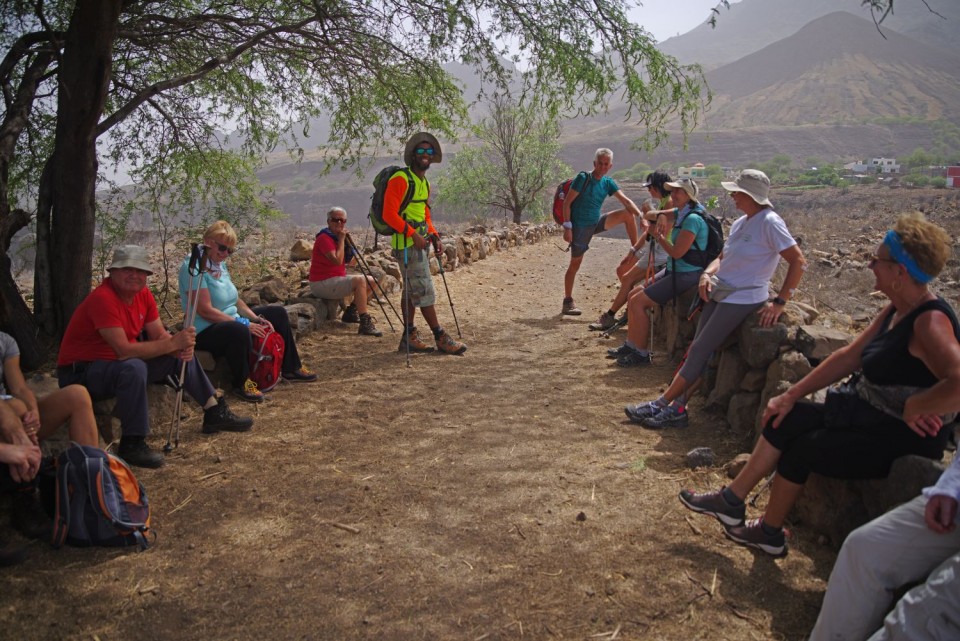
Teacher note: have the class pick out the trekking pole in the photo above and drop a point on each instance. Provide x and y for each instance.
(406, 307)
(363, 265)
(195, 269)
(444, 276)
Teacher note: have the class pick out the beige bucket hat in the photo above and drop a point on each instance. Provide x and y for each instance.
(753, 183)
(131, 256)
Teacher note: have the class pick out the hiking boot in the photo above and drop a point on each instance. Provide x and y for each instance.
(569, 309)
(633, 358)
(713, 504)
(614, 352)
(302, 375)
(367, 326)
(11, 554)
(447, 344)
(642, 411)
(416, 343)
(249, 392)
(27, 516)
(605, 322)
(139, 454)
(219, 418)
(669, 416)
(751, 535)
(350, 314)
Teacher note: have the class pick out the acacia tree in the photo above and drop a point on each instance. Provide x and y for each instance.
(147, 80)
(516, 159)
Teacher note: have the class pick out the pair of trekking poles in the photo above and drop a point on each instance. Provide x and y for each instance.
(362, 264)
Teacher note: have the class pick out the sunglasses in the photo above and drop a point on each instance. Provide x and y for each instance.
(420, 151)
(876, 259)
(338, 220)
(224, 248)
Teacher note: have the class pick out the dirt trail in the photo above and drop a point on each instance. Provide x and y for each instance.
(498, 495)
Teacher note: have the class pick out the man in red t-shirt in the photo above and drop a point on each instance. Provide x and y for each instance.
(101, 350)
(328, 273)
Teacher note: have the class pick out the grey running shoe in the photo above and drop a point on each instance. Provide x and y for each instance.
(713, 504)
(614, 352)
(569, 308)
(605, 322)
(670, 416)
(641, 411)
(633, 358)
(751, 535)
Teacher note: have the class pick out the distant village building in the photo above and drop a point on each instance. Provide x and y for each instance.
(953, 177)
(697, 171)
(876, 165)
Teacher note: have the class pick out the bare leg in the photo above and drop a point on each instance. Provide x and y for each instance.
(638, 329)
(624, 217)
(762, 461)
(571, 276)
(430, 315)
(72, 403)
(360, 292)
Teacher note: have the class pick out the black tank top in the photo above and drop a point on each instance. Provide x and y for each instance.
(886, 360)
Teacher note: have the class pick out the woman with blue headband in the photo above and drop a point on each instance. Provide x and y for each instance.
(905, 386)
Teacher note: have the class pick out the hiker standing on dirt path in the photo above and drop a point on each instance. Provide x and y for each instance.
(733, 286)
(636, 264)
(413, 234)
(582, 219)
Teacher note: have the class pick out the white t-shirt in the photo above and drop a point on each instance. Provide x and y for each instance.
(750, 255)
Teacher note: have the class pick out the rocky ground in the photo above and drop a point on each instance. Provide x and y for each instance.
(497, 495)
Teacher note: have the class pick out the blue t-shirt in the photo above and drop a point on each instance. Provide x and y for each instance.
(223, 293)
(585, 210)
(695, 225)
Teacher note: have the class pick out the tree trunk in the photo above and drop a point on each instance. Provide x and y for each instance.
(15, 316)
(84, 78)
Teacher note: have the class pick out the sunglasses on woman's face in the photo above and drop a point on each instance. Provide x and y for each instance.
(224, 248)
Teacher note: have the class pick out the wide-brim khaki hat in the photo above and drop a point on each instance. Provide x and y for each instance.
(753, 183)
(687, 185)
(131, 256)
(416, 139)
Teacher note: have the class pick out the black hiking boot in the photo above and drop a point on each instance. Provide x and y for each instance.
(219, 418)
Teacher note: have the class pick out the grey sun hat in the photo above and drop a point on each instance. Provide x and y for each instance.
(416, 139)
(685, 184)
(131, 256)
(753, 183)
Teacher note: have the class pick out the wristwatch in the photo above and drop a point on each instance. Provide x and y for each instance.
(778, 301)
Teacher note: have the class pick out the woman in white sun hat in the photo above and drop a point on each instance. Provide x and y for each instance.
(733, 286)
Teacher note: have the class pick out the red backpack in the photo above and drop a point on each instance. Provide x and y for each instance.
(266, 359)
(559, 196)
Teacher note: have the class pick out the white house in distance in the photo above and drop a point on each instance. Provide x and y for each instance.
(876, 165)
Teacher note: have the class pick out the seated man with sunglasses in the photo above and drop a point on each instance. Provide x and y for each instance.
(332, 252)
(103, 351)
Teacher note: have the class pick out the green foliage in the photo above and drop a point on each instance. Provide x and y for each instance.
(920, 159)
(638, 172)
(513, 168)
(822, 175)
(917, 180)
(183, 193)
(938, 182)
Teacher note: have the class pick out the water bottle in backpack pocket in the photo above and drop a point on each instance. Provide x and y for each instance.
(98, 501)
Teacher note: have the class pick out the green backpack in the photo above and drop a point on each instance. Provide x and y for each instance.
(379, 190)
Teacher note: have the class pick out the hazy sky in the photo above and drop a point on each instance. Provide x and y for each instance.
(668, 18)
